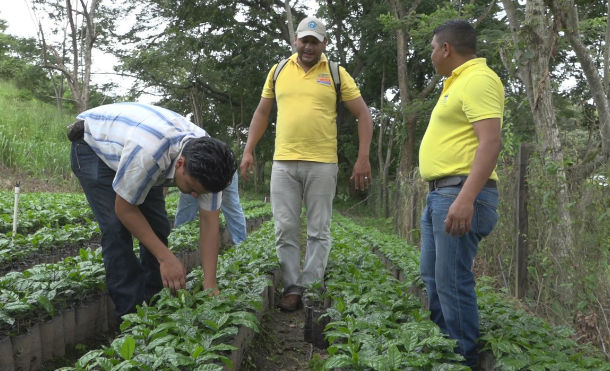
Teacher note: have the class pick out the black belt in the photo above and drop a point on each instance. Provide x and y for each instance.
(76, 130)
(455, 181)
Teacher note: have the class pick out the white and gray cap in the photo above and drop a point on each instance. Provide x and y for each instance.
(311, 26)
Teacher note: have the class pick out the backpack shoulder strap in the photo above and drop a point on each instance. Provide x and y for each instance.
(336, 76)
(334, 73)
(278, 69)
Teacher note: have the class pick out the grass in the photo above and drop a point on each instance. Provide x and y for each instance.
(33, 135)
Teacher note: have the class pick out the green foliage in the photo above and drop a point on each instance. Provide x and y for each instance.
(193, 329)
(374, 322)
(520, 341)
(33, 136)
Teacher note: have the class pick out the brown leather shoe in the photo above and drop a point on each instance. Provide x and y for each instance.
(291, 302)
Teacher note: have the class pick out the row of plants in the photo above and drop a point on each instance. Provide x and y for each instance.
(46, 289)
(50, 287)
(521, 341)
(171, 203)
(375, 323)
(54, 210)
(516, 339)
(66, 223)
(17, 247)
(36, 210)
(194, 329)
(34, 302)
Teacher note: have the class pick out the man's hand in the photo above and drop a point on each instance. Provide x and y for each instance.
(214, 289)
(361, 175)
(247, 165)
(459, 217)
(173, 274)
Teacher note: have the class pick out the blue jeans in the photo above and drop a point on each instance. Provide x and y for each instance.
(446, 266)
(130, 281)
(230, 206)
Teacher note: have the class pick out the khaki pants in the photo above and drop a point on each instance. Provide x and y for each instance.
(292, 184)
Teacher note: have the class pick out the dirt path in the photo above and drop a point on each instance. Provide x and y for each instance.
(280, 345)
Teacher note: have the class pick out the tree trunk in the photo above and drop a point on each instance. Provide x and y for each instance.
(196, 105)
(380, 138)
(533, 70)
(384, 161)
(290, 24)
(567, 12)
(403, 224)
(77, 74)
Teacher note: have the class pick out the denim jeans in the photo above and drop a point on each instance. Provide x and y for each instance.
(130, 281)
(230, 206)
(446, 266)
(292, 184)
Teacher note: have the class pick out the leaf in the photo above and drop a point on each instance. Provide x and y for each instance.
(125, 365)
(17, 307)
(222, 347)
(210, 367)
(6, 318)
(128, 347)
(160, 341)
(341, 360)
(83, 362)
(46, 304)
(197, 351)
(394, 357)
(222, 320)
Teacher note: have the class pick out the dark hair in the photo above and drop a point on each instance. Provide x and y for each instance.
(210, 161)
(459, 34)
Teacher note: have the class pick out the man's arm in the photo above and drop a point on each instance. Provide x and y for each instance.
(209, 241)
(173, 273)
(258, 125)
(361, 175)
(485, 159)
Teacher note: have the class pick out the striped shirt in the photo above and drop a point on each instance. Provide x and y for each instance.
(142, 144)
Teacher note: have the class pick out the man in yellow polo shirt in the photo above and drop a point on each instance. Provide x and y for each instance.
(458, 156)
(305, 159)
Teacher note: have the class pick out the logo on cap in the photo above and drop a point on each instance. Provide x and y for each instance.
(312, 25)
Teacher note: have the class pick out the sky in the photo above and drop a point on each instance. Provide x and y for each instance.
(22, 23)
(20, 20)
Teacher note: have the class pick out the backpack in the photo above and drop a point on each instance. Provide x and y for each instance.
(334, 75)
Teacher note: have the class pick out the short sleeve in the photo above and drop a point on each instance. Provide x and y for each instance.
(268, 87)
(137, 172)
(349, 89)
(483, 98)
(210, 201)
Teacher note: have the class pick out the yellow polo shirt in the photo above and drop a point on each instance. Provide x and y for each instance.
(472, 93)
(307, 109)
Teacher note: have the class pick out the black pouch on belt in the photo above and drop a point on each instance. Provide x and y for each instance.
(76, 130)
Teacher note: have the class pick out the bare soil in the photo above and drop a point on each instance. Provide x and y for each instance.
(280, 344)
(29, 183)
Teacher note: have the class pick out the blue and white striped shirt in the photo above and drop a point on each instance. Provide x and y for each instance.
(142, 144)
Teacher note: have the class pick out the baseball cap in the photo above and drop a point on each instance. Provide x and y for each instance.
(311, 26)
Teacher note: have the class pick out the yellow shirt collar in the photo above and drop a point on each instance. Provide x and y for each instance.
(323, 59)
(456, 72)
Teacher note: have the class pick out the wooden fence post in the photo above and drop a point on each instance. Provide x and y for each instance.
(521, 251)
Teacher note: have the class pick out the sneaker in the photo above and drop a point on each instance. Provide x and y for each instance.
(291, 302)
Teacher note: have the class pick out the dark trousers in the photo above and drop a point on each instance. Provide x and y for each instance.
(130, 281)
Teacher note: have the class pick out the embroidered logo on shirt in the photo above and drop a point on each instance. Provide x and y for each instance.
(324, 79)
